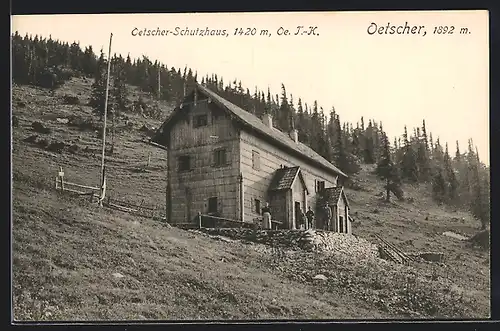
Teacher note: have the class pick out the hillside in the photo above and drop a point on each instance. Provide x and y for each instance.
(67, 252)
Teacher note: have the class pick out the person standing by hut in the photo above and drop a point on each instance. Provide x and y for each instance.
(302, 220)
(310, 218)
(266, 217)
(327, 216)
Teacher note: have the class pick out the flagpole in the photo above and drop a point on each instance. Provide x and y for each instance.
(105, 122)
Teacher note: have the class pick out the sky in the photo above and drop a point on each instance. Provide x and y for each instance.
(350, 61)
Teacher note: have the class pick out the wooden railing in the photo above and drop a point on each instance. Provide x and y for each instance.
(95, 194)
(64, 185)
(213, 221)
(216, 220)
(137, 209)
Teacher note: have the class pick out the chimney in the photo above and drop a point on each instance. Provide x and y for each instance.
(294, 134)
(267, 119)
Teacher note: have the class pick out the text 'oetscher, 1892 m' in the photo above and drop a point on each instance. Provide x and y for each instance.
(408, 29)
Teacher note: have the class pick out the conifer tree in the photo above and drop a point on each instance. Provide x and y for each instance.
(316, 128)
(119, 92)
(387, 171)
(431, 144)
(368, 155)
(451, 179)
(269, 102)
(98, 96)
(422, 158)
(439, 185)
(458, 155)
(284, 113)
(356, 148)
(409, 160)
(479, 199)
(376, 141)
(339, 153)
(438, 155)
(89, 62)
(129, 70)
(485, 198)
(461, 163)
(425, 139)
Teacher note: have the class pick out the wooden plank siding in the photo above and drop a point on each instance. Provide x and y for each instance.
(257, 181)
(204, 179)
(247, 153)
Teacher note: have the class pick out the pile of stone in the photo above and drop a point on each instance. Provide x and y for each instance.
(341, 243)
(310, 240)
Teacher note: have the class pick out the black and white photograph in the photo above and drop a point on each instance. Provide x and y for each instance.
(250, 166)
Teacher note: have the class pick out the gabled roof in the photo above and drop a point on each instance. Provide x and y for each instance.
(285, 177)
(334, 194)
(253, 122)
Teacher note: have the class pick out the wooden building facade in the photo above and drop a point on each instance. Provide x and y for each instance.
(225, 161)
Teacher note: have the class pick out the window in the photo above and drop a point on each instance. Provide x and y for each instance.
(255, 160)
(184, 163)
(257, 206)
(220, 157)
(320, 185)
(200, 120)
(212, 205)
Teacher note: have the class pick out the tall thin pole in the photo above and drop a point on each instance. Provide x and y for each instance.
(105, 112)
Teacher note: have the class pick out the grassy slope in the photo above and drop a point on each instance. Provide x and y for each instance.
(65, 251)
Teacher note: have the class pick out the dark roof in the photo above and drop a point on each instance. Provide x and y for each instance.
(276, 135)
(273, 133)
(334, 193)
(284, 177)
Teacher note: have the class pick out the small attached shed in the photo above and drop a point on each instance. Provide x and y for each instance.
(288, 195)
(340, 209)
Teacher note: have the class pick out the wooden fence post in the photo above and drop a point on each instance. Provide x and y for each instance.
(61, 176)
(103, 187)
(199, 219)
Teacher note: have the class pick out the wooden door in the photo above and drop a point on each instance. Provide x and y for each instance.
(334, 220)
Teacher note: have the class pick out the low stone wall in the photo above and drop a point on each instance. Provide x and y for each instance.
(309, 240)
